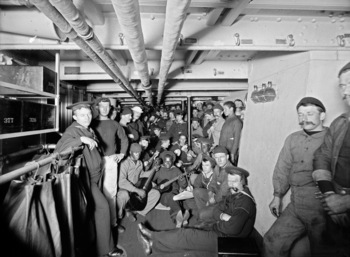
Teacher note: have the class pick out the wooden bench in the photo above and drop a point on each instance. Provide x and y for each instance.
(237, 247)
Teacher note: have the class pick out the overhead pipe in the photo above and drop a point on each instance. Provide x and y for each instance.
(128, 14)
(57, 18)
(75, 19)
(176, 13)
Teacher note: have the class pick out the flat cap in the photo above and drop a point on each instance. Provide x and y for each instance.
(164, 137)
(103, 99)
(211, 160)
(218, 106)
(165, 153)
(311, 100)
(220, 149)
(156, 127)
(77, 106)
(135, 147)
(178, 112)
(195, 119)
(137, 109)
(345, 68)
(236, 170)
(126, 111)
(204, 140)
(145, 138)
(209, 103)
(209, 112)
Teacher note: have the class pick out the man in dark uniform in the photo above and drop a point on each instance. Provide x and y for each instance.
(234, 216)
(77, 134)
(166, 173)
(179, 127)
(217, 187)
(231, 131)
(112, 139)
(332, 173)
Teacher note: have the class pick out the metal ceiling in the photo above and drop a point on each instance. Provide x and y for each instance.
(215, 45)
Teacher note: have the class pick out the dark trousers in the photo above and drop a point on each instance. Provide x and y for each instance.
(104, 238)
(201, 197)
(167, 200)
(185, 239)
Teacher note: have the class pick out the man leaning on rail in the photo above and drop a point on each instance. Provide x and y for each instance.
(80, 133)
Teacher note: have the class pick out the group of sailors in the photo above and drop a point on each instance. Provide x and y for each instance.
(144, 160)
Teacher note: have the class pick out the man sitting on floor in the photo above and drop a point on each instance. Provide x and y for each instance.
(234, 216)
(130, 171)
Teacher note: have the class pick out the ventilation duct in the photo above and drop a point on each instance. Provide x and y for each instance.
(57, 18)
(176, 12)
(128, 14)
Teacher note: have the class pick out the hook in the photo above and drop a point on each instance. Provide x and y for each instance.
(181, 39)
(121, 37)
(341, 40)
(291, 40)
(238, 41)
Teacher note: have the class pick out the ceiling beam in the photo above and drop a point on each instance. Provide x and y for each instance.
(190, 57)
(200, 58)
(213, 16)
(119, 56)
(233, 14)
(179, 94)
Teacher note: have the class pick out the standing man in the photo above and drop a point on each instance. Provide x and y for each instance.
(109, 133)
(215, 130)
(125, 118)
(210, 120)
(77, 134)
(332, 173)
(135, 126)
(231, 131)
(179, 127)
(131, 169)
(196, 128)
(304, 215)
(234, 217)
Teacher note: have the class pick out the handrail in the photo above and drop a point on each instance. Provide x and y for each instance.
(21, 171)
(27, 151)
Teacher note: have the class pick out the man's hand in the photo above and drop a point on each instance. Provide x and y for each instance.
(225, 217)
(118, 157)
(141, 193)
(89, 141)
(232, 158)
(275, 206)
(336, 203)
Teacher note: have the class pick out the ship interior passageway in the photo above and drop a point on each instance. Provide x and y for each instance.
(182, 56)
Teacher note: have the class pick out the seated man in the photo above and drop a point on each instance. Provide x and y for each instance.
(180, 148)
(130, 173)
(163, 144)
(217, 187)
(234, 216)
(201, 182)
(167, 173)
(204, 146)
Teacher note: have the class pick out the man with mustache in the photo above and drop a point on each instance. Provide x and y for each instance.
(331, 165)
(294, 167)
(233, 217)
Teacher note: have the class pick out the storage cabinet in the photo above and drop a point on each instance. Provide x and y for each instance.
(24, 91)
